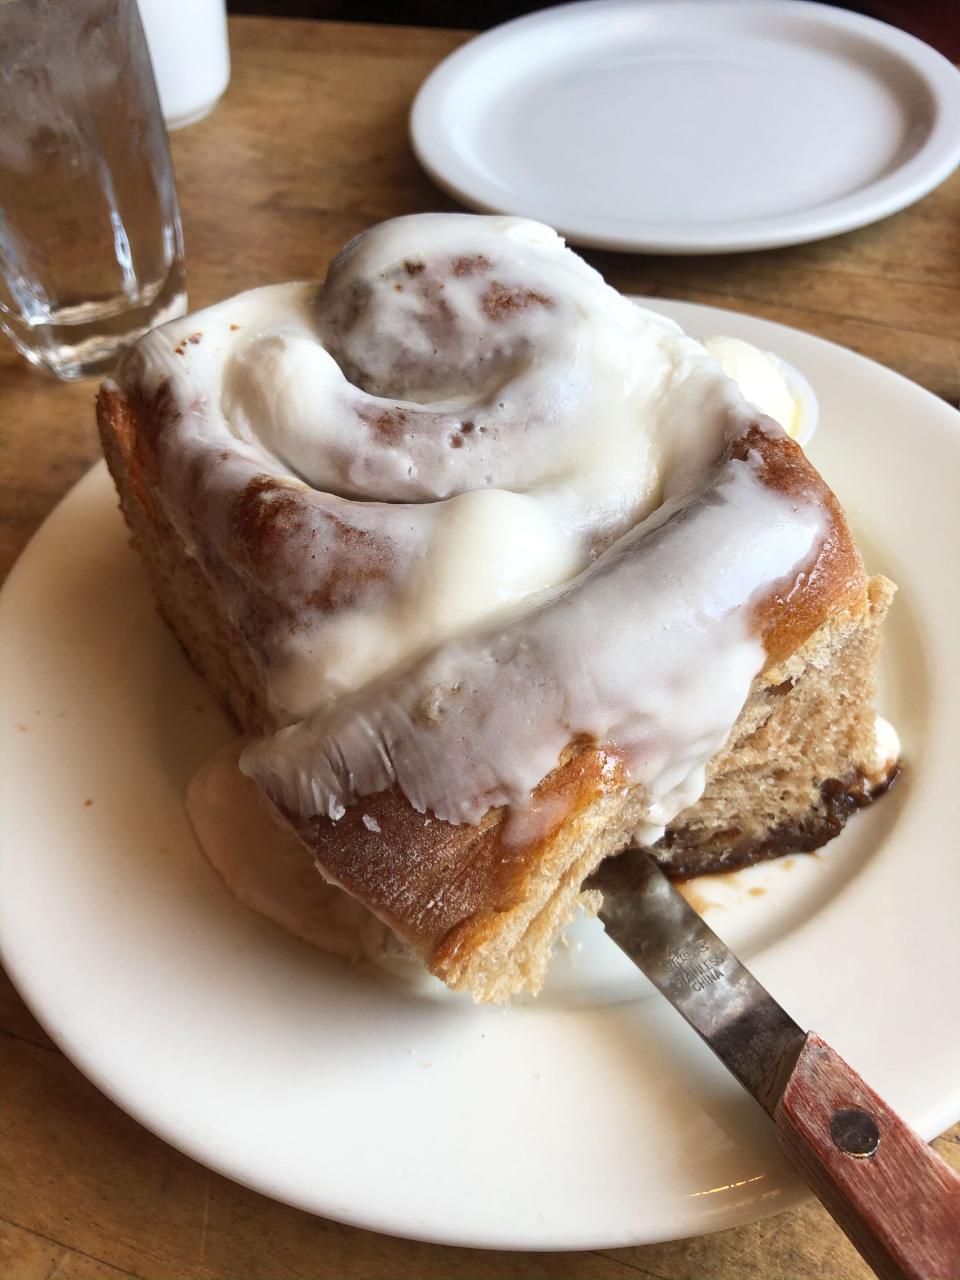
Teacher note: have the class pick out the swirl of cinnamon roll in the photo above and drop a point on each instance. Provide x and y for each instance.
(489, 561)
(463, 415)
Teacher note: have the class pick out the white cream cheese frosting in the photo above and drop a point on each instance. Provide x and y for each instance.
(484, 506)
(652, 650)
(464, 401)
(764, 380)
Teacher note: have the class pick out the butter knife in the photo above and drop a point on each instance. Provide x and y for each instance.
(897, 1201)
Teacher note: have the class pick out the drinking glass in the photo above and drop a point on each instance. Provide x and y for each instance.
(91, 249)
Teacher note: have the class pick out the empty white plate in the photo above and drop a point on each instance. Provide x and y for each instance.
(691, 126)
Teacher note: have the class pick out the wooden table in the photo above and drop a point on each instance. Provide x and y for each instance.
(308, 147)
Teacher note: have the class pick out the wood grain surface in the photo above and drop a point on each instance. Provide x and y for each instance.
(308, 147)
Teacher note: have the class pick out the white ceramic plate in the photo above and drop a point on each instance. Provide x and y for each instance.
(691, 126)
(592, 1117)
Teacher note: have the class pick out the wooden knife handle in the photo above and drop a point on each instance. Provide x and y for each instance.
(892, 1194)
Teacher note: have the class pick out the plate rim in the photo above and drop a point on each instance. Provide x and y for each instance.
(923, 171)
(362, 1217)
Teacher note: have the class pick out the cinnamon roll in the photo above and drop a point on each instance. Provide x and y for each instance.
(499, 574)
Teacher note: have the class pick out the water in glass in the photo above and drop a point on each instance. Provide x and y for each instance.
(90, 241)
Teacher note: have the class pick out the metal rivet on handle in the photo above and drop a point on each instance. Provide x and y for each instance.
(854, 1132)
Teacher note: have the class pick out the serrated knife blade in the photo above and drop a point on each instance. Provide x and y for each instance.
(701, 977)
